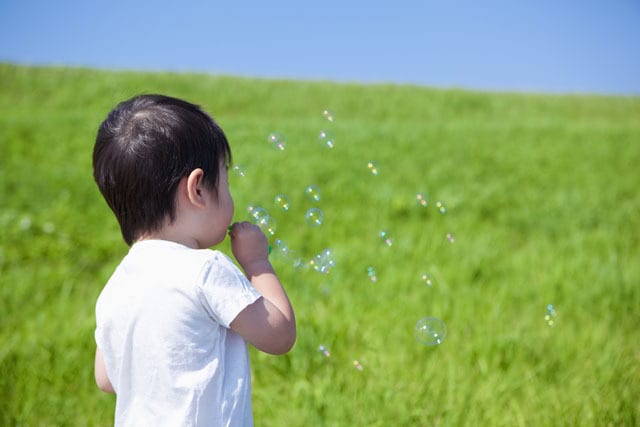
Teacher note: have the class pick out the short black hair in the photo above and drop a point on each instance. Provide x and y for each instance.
(144, 147)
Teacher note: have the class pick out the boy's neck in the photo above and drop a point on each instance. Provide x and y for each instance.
(169, 236)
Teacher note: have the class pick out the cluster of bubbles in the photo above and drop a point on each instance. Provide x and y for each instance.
(263, 219)
(314, 216)
(428, 331)
(323, 262)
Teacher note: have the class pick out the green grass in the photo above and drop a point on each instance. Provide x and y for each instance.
(542, 198)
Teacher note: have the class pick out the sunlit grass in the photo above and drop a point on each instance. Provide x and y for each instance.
(542, 202)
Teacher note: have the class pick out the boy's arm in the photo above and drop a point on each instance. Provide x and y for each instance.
(100, 372)
(269, 323)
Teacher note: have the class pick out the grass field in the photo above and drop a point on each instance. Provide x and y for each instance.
(542, 203)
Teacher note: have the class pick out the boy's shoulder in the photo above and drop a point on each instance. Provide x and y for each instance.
(162, 255)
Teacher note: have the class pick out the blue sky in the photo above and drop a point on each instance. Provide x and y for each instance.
(533, 46)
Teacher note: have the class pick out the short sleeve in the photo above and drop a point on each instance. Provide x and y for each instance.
(224, 290)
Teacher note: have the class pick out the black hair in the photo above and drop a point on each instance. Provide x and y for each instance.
(144, 147)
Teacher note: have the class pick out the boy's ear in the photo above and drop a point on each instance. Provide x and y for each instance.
(195, 187)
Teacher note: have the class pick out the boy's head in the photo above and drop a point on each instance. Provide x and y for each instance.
(143, 149)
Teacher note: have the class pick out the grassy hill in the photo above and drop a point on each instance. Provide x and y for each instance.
(542, 207)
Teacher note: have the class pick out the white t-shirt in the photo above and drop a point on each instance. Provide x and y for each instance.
(163, 329)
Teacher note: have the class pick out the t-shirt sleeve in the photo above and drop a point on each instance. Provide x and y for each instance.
(224, 290)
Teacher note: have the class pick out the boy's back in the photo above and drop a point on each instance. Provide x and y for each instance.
(164, 330)
(174, 320)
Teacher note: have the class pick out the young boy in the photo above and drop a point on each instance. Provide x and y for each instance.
(174, 318)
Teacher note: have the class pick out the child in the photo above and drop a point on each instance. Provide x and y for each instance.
(174, 318)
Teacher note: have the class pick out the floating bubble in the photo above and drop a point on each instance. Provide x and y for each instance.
(328, 114)
(280, 249)
(430, 331)
(297, 261)
(441, 207)
(450, 238)
(358, 365)
(386, 238)
(277, 140)
(324, 350)
(550, 316)
(267, 224)
(326, 138)
(422, 199)
(282, 201)
(373, 167)
(239, 170)
(313, 193)
(257, 212)
(426, 279)
(371, 272)
(323, 262)
(314, 217)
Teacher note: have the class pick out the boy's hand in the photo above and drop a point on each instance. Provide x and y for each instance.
(249, 245)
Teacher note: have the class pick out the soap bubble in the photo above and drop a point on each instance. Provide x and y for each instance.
(282, 201)
(280, 249)
(257, 212)
(441, 207)
(550, 316)
(313, 193)
(324, 350)
(328, 114)
(326, 138)
(239, 170)
(314, 217)
(422, 199)
(371, 272)
(267, 224)
(277, 140)
(323, 262)
(386, 237)
(426, 279)
(373, 167)
(430, 331)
